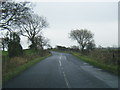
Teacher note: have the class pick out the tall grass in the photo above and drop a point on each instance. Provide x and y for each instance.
(107, 56)
(13, 66)
(107, 59)
(102, 58)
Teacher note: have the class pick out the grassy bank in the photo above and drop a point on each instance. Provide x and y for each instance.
(21, 68)
(109, 67)
(60, 51)
(14, 66)
(97, 59)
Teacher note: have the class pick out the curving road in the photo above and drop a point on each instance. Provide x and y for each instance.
(63, 70)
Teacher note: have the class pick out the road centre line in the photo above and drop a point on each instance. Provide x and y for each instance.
(67, 83)
(99, 69)
(85, 63)
(60, 62)
(60, 57)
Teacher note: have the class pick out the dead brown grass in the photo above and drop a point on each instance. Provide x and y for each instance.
(8, 64)
(107, 56)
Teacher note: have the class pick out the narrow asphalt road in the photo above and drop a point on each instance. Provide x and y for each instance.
(63, 70)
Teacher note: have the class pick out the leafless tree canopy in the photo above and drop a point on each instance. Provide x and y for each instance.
(83, 37)
(12, 12)
(19, 16)
(31, 26)
(41, 41)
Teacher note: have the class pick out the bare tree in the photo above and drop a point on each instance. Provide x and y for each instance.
(31, 26)
(90, 46)
(83, 37)
(41, 41)
(12, 12)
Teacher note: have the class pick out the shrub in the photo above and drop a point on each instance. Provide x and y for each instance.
(14, 47)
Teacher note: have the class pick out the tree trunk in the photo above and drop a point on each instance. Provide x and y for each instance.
(3, 47)
(33, 45)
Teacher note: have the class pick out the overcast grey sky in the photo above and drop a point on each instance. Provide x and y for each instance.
(101, 18)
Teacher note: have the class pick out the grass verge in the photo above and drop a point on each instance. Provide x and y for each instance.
(4, 53)
(110, 68)
(21, 68)
(60, 51)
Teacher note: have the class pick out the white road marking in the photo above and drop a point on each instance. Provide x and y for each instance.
(99, 69)
(67, 83)
(85, 63)
(60, 57)
(60, 62)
